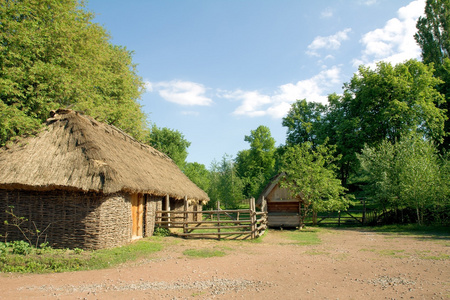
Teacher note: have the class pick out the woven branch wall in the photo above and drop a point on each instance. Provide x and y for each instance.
(83, 220)
(152, 204)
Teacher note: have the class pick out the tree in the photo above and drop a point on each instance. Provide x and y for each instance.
(386, 103)
(407, 174)
(310, 174)
(53, 56)
(303, 122)
(226, 186)
(198, 174)
(433, 37)
(256, 165)
(170, 142)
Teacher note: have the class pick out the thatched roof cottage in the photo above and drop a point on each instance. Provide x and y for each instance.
(283, 208)
(93, 185)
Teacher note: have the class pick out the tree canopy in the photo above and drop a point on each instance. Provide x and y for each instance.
(52, 55)
(170, 142)
(433, 37)
(310, 174)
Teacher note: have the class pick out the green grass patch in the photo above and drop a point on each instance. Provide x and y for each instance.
(203, 253)
(414, 229)
(304, 237)
(426, 254)
(47, 260)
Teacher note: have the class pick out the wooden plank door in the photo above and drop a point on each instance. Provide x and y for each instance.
(137, 215)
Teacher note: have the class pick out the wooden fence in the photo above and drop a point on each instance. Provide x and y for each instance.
(356, 216)
(229, 223)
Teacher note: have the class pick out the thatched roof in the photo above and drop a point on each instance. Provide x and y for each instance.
(75, 152)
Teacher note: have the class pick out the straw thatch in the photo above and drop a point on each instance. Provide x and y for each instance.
(76, 153)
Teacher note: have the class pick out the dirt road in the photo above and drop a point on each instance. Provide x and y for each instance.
(347, 264)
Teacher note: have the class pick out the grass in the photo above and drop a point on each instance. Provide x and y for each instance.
(305, 237)
(420, 231)
(203, 253)
(48, 260)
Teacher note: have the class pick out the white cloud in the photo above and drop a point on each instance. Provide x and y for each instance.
(255, 104)
(327, 13)
(332, 42)
(180, 92)
(394, 42)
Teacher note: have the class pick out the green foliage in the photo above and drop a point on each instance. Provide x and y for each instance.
(384, 103)
(433, 37)
(198, 174)
(161, 231)
(52, 56)
(225, 185)
(170, 142)
(304, 123)
(310, 175)
(255, 166)
(20, 257)
(407, 174)
(21, 247)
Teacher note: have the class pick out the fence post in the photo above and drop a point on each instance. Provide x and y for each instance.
(339, 219)
(364, 212)
(167, 209)
(253, 217)
(185, 229)
(218, 220)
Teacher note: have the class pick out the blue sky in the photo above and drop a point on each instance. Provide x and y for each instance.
(217, 69)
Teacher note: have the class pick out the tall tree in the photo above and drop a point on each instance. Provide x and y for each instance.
(170, 142)
(433, 37)
(226, 186)
(384, 104)
(303, 122)
(407, 174)
(310, 173)
(52, 56)
(256, 165)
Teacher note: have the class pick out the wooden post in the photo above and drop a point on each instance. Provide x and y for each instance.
(218, 220)
(185, 224)
(364, 212)
(339, 219)
(253, 217)
(167, 209)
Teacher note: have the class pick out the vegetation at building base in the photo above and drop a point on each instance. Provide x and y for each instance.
(19, 256)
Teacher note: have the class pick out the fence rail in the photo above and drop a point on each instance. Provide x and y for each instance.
(230, 223)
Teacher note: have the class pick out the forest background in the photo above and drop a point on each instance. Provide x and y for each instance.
(386, 138)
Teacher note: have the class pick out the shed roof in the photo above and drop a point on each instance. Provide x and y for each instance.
(76, 152)
(269, 187)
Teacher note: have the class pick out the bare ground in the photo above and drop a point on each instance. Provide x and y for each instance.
(347, 264)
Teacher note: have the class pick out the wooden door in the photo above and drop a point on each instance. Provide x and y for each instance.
(137, 215)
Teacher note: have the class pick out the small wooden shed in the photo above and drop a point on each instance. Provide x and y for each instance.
(93, 185)
(283, 209)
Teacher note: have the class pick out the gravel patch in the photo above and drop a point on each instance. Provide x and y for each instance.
(215, 286)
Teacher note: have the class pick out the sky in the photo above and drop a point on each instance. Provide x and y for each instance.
(217, 69)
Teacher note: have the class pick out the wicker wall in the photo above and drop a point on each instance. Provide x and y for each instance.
(115, 223)
(83, 220)
(153, 203)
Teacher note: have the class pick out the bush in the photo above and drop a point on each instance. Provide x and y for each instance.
(21, 248)
(160, 231)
